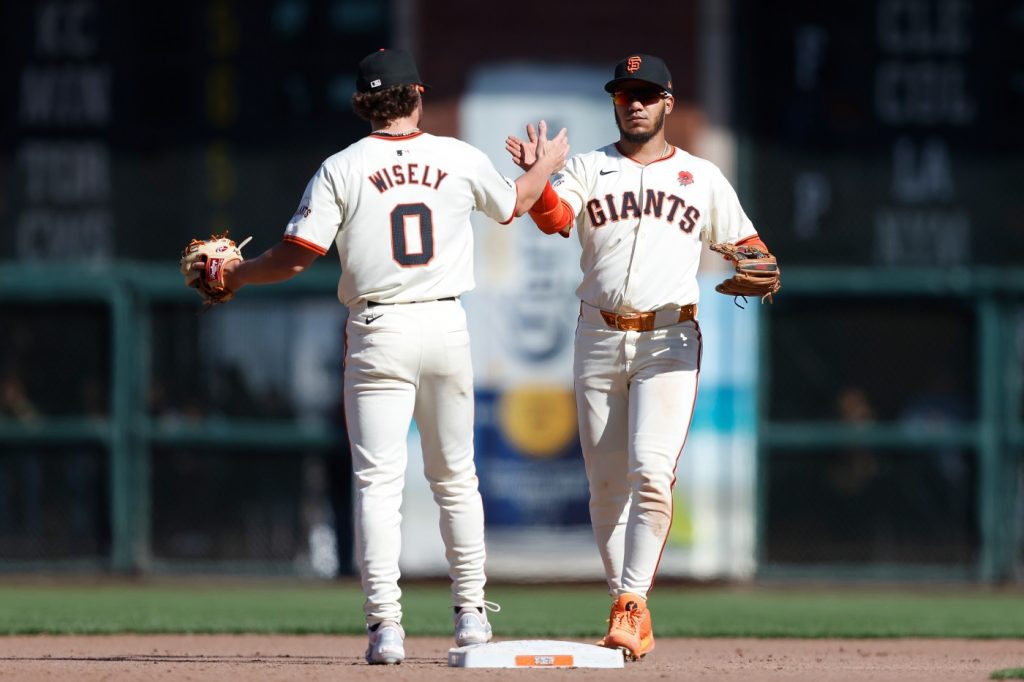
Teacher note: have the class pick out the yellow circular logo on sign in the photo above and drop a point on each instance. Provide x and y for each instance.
(540, 421)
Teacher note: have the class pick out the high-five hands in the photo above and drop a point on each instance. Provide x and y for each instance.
(526, 153)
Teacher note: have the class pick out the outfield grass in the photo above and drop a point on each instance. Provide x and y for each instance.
(527, 611)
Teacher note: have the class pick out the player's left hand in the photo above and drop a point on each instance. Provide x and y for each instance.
(757, 272)
(202, 264)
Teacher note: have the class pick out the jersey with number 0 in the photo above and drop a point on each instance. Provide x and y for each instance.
(398, 209)
(641, 226)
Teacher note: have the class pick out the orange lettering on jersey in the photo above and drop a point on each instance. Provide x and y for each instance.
(399, 174)
(441, 175)
(412, 173)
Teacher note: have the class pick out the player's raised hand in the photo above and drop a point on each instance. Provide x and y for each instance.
(541, 158)
(517, 150)
(552, 153)
(524, 154)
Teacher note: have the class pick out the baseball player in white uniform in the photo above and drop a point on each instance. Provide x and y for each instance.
(397, 205)
(641, 208)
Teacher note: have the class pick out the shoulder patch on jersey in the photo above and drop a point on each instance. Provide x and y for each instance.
(685, 178)
(557, 180)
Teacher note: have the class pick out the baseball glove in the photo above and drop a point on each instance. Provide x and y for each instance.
(757, 273)
(208, 279)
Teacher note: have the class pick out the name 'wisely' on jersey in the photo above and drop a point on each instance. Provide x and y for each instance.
(641, 225)
(399, 210)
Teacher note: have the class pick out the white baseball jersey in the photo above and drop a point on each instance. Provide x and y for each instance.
(413, 195)
(398, 209)
(641, 226)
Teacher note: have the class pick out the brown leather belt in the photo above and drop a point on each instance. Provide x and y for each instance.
(643, 322)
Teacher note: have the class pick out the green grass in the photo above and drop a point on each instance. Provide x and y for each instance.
(527, 611)
(1008, 674)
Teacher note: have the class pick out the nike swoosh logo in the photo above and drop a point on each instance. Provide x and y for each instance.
(606, 172)
(368, 319)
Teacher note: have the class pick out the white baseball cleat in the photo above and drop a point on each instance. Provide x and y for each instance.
(471, 626)
(387, 644)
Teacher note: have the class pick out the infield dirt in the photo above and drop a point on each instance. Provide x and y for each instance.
(312, 658)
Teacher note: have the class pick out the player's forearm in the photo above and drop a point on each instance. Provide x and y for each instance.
(282, 261)
(550, 213)
(530, 186)
(753, 241)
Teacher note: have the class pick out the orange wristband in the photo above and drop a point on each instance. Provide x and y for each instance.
(754, 241)
(554, 220)
(550, 213)
(548, 200)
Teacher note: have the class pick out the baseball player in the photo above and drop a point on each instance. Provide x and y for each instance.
(397, 205)
(640, 207)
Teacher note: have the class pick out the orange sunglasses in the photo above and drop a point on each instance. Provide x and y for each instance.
(646, 96)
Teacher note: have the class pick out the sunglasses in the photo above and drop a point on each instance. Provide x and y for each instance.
(646, 97)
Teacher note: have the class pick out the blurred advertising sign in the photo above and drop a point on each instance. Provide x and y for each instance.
(523, 311)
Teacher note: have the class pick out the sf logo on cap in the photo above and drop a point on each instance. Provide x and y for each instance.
(633, 64)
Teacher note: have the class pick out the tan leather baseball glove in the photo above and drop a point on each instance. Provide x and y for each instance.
(208, 278)
(757, 272)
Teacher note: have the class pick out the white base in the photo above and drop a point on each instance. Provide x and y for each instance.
(534, 653)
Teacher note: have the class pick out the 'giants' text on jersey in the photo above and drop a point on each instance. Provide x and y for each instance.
(654, 204)
(641, 226)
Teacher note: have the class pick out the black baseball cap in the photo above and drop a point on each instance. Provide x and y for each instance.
(384, 68)
(641, 67)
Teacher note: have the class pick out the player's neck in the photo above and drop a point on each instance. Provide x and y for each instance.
(652, 150)
(397, 127)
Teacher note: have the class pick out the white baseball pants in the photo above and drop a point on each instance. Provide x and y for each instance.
(403, 362)
(635, 393)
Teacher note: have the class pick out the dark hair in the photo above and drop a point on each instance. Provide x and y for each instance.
(387, 105)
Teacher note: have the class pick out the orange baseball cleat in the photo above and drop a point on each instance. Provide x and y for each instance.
(629, 627)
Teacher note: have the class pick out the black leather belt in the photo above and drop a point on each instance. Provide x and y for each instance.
(374, 304)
